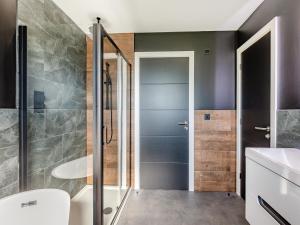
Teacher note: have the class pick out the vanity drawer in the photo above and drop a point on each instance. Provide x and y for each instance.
(279, 194)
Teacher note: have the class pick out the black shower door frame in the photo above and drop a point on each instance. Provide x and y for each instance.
(99, 34)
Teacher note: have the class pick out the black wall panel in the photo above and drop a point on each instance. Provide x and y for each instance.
(214, 70)
(8, 13)
(289, 51)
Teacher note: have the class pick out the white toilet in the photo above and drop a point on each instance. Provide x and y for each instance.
(37, 207)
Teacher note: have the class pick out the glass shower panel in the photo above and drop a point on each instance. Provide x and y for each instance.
(60, 113)
(112, 118)
(129, 125)
(126, 131)
(58, 152)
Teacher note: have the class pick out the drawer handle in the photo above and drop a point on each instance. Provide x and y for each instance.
(272, 212)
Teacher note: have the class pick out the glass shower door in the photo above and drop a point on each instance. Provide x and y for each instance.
(112, 118)
(116, 133)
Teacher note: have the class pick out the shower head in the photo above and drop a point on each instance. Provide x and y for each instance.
(109, 99)
(107, 65)
(107, 73)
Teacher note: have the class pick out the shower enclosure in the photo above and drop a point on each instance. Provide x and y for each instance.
(112, 131)
(71, 127)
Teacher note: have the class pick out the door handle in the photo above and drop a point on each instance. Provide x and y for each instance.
(267, 129)
(272, 212)
(185, 123)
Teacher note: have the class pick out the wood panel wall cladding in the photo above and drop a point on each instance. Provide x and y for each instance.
(215, 150)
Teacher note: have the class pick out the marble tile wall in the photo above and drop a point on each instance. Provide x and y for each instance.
(57, 67)
(9, 150)
(288, 128)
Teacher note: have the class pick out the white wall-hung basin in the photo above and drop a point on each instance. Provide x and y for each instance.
(273, 186)
(37, 207)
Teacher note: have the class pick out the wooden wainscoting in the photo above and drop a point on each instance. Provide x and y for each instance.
(215, 150)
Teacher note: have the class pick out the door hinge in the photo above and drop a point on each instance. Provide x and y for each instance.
(241, 175)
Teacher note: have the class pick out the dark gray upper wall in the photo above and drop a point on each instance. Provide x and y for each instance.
(214, 73)
(289, 74)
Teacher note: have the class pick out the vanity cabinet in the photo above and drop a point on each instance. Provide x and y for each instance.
(273, 186)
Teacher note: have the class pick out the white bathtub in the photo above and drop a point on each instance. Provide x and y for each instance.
(37, 207)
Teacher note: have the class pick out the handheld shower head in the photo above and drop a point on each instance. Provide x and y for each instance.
(107, 73)
(109, 99)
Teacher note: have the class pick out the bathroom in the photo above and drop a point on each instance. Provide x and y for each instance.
(133, 119)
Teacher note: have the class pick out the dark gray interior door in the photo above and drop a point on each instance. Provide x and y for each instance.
(164, 108)
(256, 81)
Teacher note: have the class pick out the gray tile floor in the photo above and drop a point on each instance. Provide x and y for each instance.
(158, 207)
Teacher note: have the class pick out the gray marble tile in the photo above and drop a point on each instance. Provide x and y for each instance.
(54, 14)
(53, 92)
(9, 164)
(81, 120)
(9, 127)
(10, 189)
(44, 153)
(74, 98)
(8, 153)
(32, 13)
(59, 70)
(9, 136)
(288, 128)
(73, 186)
(66, 73)
(74, 143)
(36, 125)
(36, 179)
(59, 122)
(9, 171)
(56, 52)
(75, 55)
(75, 156)
(35, 64)
(51, 181)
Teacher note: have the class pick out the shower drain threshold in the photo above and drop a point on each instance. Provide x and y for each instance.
(107, 210)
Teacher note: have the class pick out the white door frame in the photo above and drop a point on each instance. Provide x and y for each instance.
(138, 56)
(271, 27)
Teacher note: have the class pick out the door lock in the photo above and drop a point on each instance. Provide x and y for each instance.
(268, 136)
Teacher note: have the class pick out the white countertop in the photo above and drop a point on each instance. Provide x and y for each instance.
(283, 161)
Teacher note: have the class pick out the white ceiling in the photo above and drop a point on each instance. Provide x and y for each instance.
(119, 16)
